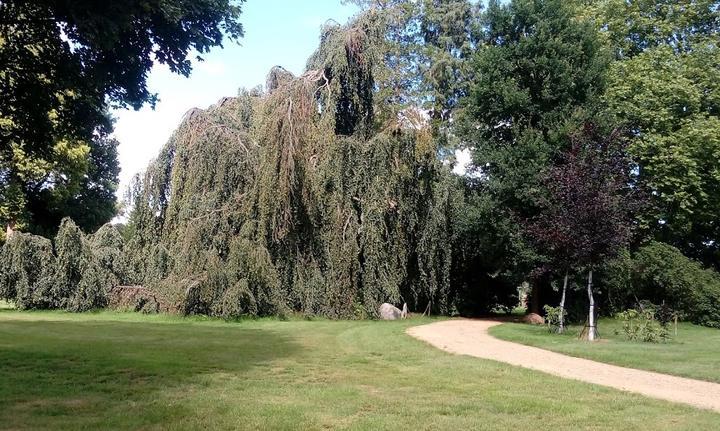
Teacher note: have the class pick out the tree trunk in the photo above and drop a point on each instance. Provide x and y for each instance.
(534, 300)
(591, 315)
(561, 325)
(9, 230)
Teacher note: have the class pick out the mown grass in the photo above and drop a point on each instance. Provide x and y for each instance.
(694, 352)
(129, 371)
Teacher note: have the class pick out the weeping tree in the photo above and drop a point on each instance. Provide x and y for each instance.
(299, 197)
(74, 272)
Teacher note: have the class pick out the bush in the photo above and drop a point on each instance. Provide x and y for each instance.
(642, 324)
(552, 317)
(76, 274)
(69, 263)
(91, 292)
(237, 301)
(660, 273)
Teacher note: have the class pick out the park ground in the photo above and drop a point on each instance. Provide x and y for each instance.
(694, 352)
(131, 371)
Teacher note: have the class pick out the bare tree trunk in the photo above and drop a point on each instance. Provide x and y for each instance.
(591, 316)
(561, 326)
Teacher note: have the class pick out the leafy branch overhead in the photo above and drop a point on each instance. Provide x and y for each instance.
(62, 64)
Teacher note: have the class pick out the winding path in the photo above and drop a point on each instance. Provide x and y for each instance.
(471, 337)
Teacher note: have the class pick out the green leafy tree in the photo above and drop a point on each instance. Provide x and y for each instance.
(536, 77)
(427, 44)
(63, 63)
(89, 200)
(665, 85)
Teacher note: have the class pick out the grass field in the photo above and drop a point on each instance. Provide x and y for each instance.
(129, 371)
(694, 352)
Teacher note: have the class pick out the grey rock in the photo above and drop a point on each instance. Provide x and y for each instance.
(391, 312)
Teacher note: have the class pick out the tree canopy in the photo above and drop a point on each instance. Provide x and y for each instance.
(62, 64)
(593, 128)
(298, 198)
(665, 85)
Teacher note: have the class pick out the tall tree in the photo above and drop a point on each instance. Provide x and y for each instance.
(535, 78)
(62, 63)
(428, 43)
(665, 85)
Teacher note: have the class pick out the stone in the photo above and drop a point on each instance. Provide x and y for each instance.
(533, 319)
(391, 312)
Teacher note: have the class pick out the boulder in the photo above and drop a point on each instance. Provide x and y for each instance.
(391, 312)
(533, 319)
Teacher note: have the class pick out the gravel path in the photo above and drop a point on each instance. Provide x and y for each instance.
(471, 337)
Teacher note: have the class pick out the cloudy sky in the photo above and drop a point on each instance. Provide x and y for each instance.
(277, 32)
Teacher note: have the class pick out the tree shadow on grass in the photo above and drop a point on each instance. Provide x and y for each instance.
(80, 374)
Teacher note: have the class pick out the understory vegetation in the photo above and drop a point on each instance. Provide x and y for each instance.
(131, 371)
(593, 187)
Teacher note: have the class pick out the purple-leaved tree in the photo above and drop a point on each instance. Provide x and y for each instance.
(587, 214)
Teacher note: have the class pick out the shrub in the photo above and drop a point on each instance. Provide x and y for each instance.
(641, 324)
(76, 274)
(237, 301)
(91, 292)
(660, 273)
(70, 260)
(107, 247)
(552, 317)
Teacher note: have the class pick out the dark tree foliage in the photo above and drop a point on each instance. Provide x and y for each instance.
(112, 46)
(299, 199)
(90, 202)
(661, 274)
(480, 279)
(540, 68)
(539, 64)
(95, 203)
(62, 63)
(588, 213)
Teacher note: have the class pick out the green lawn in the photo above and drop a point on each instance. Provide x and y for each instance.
(694, 352)
(129, 371)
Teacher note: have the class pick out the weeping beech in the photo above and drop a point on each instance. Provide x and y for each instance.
(74, 272)
(300, 197)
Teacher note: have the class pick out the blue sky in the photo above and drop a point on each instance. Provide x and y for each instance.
(277, 32)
